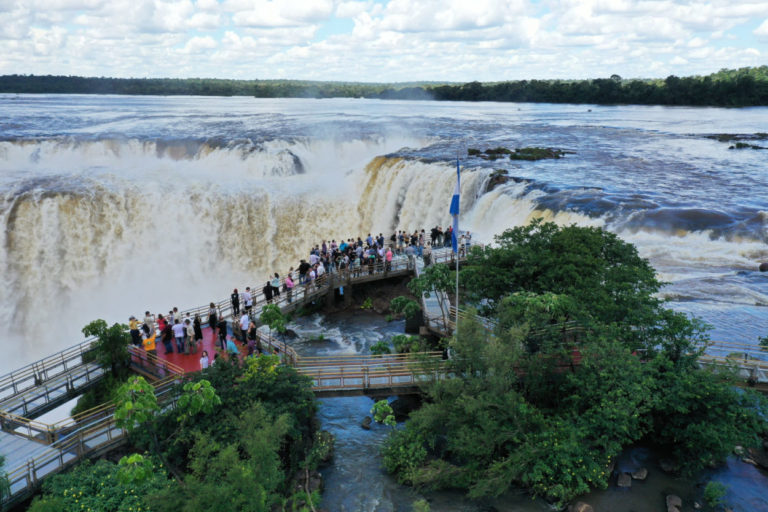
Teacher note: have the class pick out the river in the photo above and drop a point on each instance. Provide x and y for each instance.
(112, 205)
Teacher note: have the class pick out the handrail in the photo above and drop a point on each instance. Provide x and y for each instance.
(37, 372)
(76, 446)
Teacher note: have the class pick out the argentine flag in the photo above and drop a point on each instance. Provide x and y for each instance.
(455, 210)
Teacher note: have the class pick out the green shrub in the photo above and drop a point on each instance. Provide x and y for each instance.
(96, 487)
(380, 348)
(714, 493)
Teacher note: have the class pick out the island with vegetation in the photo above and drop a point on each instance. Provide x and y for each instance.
(727, 87)
(569, 359)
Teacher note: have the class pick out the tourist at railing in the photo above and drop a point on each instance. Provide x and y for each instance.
(267, 292)
(237, 331)
(275, 283)
(244, 324)
(213, 318)
(289, 285)
(162, 322)
(235, 299)
(178, 333)
(133, 326)
(197, 325)
(247, 300)
(149, 321)
(222, 327)
(166, 336)
(149, 342)
(232, 349)
(189, 341)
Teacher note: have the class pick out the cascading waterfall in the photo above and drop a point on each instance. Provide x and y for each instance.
(104, 229)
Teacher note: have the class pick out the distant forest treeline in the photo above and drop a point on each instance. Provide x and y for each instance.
(732, 88)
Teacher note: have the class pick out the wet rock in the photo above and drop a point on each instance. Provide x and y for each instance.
(624, 480)
(738, 450)
(667, 466)
(763, 267)
(315, 482)
(640, 474)
(696, 505)
(290, 334)
(366, 424)
(580, 506)
(496, 179)
(760, 457)
(674, 503)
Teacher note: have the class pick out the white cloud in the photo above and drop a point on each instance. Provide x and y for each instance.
(198, 44)
(400, 40)
(762, 30)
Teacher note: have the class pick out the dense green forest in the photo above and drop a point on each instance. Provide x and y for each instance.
(734, 88)
(576, 360)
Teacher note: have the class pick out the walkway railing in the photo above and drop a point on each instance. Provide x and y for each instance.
(370, 372)
(88, 434)
(43, 370)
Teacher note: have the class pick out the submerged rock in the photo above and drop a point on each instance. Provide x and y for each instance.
(580, 506)
(366, 424)
(674, 503)
(667, 466)
(759, 457)
(624, 480)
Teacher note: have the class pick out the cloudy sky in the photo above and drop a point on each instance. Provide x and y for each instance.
(381, 40)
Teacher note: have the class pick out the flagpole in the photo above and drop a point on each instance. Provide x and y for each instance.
(458, 178)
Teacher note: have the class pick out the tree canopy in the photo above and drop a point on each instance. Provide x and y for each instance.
(579, 360)
(728, 87)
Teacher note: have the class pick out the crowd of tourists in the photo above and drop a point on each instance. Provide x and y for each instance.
(358, 255)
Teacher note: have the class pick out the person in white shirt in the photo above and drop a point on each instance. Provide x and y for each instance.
(149, 321)
(204, 360)
(244, 321)
(247, 300)
(178, 333)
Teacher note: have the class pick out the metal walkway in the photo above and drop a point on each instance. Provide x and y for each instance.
(380, 375)
(45, 384)
(35, 450)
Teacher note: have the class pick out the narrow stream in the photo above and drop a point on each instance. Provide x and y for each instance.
(356, 482)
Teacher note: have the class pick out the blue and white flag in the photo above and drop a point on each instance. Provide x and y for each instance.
(455, 210)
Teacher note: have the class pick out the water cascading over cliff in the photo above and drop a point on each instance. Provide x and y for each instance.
(108, 228)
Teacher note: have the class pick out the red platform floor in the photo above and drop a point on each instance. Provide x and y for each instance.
(191, 362)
